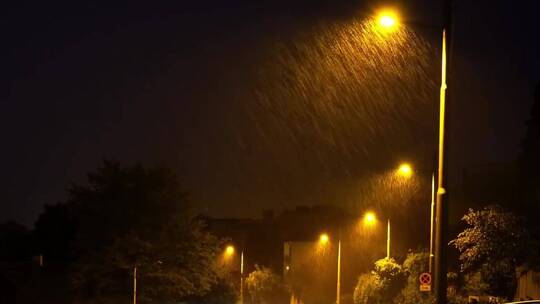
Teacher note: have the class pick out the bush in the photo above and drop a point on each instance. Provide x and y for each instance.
(368, 289)
(381, 285)
(264, 287)
(414, 265)
(221, 293)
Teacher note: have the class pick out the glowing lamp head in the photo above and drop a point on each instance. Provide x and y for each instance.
(229, 251)
(387, 19)
(370, 218)
(324, 238)
(405, 170)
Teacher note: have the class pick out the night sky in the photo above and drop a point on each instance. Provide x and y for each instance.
(192, 87)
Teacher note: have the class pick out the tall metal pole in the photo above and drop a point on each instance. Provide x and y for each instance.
(242, 277)
(442, 194)
(338, 291)
(388, 240)
(432, 224)
(135, 285)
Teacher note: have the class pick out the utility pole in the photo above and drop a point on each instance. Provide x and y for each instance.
(242, 277)
(388, 240)
(442, 193)
(432, 225)
(338, 291)
(135, 285)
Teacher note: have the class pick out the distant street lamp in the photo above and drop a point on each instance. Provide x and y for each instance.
(405, 170)
(229, 253)
(370, 219)
(324, 239)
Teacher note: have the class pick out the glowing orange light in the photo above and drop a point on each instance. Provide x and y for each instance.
(388, 19)
(405, 170)
(323, 239)
(229, 251)
(370, 218)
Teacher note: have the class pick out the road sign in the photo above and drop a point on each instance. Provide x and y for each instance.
(425, 282)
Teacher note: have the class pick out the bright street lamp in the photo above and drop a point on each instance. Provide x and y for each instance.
(388, 19)
(370, 218)
(405, 170)
(229, 251)
(324, 239)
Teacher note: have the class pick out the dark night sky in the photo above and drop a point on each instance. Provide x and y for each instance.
(176, 85)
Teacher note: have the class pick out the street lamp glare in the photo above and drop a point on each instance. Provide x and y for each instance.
(323, 239)
(405, 170)
(370, 218)
(387, 19)
(229, 251)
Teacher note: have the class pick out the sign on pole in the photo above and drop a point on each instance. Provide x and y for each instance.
(425, 282)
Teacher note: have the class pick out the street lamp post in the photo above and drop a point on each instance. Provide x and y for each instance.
(324, 239)
(369, 219)
(229, 252)
(406, 171)
(442, 193)
(338, 287)
(135, 285)
(441, 202)
(242, 277)
(432, 224)
(388, 240)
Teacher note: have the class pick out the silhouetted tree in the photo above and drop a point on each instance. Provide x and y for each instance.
(54, 232)
(131, 216)
(265, 287)
(369, 289)
(223, 292)
(380, 286)
(15, 242)
(494, 244)
(415, 264)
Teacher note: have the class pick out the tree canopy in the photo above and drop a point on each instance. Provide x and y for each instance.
(130, 216)
(264, 286)
(494, 244)
(381, 285)
(415, 263)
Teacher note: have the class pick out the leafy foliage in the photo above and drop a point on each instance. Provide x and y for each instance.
(474, 284)
(493, 235)
(221, 293)
(381, 285)
(135, 217)
(264, 286)
(369, 289)
(414, 265)
(493, 245)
